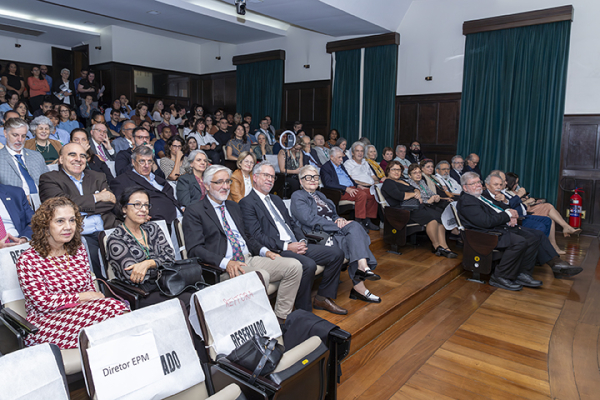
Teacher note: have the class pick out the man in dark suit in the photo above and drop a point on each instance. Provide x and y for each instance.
(473, 164)
(458, 165)
(309, 155)
(269, 222)
(222, 136)
(100, 145)
(415, 155)
(16, 214)
(89, 190)
(140, 137)
(162, 195)
(519, 245)
(494, 184)
(215, 232)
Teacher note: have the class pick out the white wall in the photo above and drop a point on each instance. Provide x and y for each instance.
(431, 43)
(29, 52)
(105, 54)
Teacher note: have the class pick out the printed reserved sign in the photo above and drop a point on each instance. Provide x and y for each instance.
(125, 365)
(237, 309)
(10, 290)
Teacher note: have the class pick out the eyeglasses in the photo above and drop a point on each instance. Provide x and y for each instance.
(444, 169)
(144, 162)
(222, 182)
(143, 137)
(268, 176)
(395, 169)
(311, 177)
(139, 206)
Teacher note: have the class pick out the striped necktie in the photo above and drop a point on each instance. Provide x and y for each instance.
(236, 248)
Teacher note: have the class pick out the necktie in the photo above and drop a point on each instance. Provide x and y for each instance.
(101, 153)
(2, 229)
(279, 219)
(321, 205)
(236, 248)
(25, 173)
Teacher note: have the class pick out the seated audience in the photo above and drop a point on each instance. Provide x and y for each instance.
(400, 194)
(100, 145)
(160, 144)
(12, 79)
(290, 161)
(429, 197)
(114, 123)
(56, 133)
(241, 179)
(263, 148)
(268, 221)
(157, 110)
(166, 118)
(371, 158)
(320, 148)
(428, 175)
(457, 167)
(12, 98)
(54, 274)
(192, 144)
(214, 230)
(125, 107)
(401, 158)
(137, 248)
(190, 187)
(48, 148)
(22, 109)
(19, 166)
(211, 128)
(238, 144)
(46, 105)
(141, 137)
(264, 129)
(16, 214)
(222, 136)
(89, 190)
(116, 106)
(310, 208)
(174, 163)
(388, 155)
(519, 245)
(8, 115)
(141, 114)
(38, 87)
(65, 119)
(309, 154)
(125, 140)
(162, 195)
(332, 138)
(342, 143)
(538, 207)
(473, 164)
(94, 163)
(415, 155)
(443, 177)
(546, 253)
(2, 94)
(359, 170)
(87, 107)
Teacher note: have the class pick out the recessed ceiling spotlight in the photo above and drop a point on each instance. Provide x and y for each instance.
(153, 12)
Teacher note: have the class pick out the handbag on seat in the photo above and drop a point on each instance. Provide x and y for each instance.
(260, 354)
(174, 278)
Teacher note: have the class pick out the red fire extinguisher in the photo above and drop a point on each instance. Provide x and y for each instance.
(575, 209)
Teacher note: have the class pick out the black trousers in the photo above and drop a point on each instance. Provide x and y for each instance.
(545, 252)
(331, 258)
(94, 248)
(520, 252)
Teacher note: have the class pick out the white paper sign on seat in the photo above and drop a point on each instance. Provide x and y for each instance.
(10, 290)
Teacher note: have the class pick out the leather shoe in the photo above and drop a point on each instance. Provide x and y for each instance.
(368, 296)
(504, 283)
(329, 305)
(364, 275)
(564, 268)
(527, 280)
(370, 225)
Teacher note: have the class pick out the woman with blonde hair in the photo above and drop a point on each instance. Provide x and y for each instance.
(241, 179)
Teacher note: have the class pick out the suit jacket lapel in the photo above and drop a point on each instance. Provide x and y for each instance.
(212, 214)
(12, 164)
(263, 208)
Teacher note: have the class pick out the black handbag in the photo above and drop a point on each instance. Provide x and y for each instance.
(410, 204)
(319, 236)
(259, 355)
(174, 278)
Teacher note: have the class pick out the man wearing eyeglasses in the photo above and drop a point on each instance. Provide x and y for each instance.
(140, 137)
(88, 189)
(520, 247)
(268, 221)
(100, 145)
(162, 196)
(442, 175)
(458, 164)
(125, 141)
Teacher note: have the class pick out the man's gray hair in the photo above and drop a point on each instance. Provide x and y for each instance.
(212, 170)
(467, 176)
(141, 151)
(258, 167)
(365, 140)
(439, 165)
(367, 151)
(335, 150)
(14, 123)
(355, 145)
(488, 178)
(456, 157)
(65, 69)
(127, 122)
(194, 153)
(497, 173)
(94, 127)
(41, 120)
(400, 146)
(304, 170)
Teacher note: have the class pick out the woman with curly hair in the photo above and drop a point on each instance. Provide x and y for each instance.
(55, 277)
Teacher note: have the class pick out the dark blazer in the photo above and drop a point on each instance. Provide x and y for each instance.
(330, 179)
(123, 163)
(58, 183)
(96, 164)
(487, 195)
(164, 204)
(413, 160)
(56, 84)
(222, 138)
(18, 208)
(306, 159)
(469, 169)
(476, 215)
(188, 190)
(94, 150)
(204, 235)
(261, 225)
(454, 175)
(304, 210)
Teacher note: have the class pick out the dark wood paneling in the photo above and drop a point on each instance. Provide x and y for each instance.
(309, 103)
(430, 119)
(556, 14)
(255, 57)
(362, 42)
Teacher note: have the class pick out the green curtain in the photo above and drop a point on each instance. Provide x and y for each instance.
(379, 95)
(513, 101)
(346, 94)
(259, 90)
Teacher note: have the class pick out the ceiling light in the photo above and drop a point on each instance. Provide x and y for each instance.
(153, 12)
(52, 22)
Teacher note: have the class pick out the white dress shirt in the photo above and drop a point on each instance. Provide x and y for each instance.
(283, 234)
(9, 227)
(450, 183)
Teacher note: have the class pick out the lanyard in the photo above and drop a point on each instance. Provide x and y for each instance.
(145, 249)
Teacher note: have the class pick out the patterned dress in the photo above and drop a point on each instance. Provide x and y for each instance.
(51, 287)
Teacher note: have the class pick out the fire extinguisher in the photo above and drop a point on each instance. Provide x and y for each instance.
(575, 209)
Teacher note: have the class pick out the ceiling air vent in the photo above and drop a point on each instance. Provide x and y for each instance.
(22, 31)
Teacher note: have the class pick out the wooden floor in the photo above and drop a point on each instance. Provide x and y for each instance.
(472, 341)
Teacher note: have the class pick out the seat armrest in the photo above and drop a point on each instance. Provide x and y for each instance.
(124, 286)
(19, 322)
(211, 273)
(245, 374)
(320, 352)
